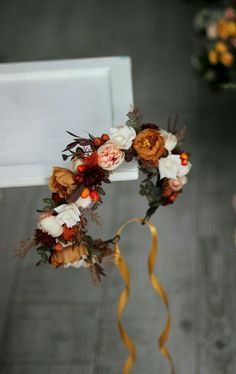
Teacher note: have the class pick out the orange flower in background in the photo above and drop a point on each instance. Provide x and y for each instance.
(213, 57)
(62, 181)
(227, 58)
(149, 145)
(221, 47)
(226, 29)
(69, 232)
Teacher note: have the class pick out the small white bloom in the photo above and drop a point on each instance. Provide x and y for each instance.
(68, 214)
(170, 140)
(51, 226)
(123, 136)
(171, 167)
(75, 163)
(83, 203)
(77, 264)
(183, 179)
(212, 31)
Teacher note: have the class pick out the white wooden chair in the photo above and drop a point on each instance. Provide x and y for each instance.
(40, 100)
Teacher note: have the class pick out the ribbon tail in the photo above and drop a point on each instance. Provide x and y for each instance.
(158, 288)
(124, 271)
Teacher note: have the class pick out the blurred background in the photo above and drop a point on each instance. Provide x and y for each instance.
(57, 321)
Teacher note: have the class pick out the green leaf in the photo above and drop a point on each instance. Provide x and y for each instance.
(43, 248)
(48, 201)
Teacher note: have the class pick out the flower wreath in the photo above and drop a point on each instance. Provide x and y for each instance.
(61, 237)
(216, 57)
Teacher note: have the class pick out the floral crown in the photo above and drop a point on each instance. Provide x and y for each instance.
(215, 57)
(61, 237)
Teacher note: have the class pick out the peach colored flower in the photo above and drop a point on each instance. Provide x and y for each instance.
(110, 156)
(177, 184)
(62, 181)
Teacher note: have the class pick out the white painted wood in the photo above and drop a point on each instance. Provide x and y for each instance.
(40, 100)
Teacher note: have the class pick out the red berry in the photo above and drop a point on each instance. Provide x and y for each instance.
(97, 142)
(81, 168)
(105, 137)
(94, 196)
(172, 197)
(184, 162)
(78, 179)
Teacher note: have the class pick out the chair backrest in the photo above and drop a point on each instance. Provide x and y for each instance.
(40, 100)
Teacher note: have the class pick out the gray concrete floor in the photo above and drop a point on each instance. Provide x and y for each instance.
(56, 321)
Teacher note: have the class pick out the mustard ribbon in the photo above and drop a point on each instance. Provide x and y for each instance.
(124, 271)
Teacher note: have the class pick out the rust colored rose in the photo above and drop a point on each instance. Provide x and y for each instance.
(69, 254)
(149, 145)
(62, 181)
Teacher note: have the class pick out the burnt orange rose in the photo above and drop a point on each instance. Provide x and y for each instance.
(149, 145)
(62, 181)
(69, 254)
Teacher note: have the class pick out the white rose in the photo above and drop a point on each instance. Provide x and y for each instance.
(68, 214)
(170, 140)
(123, 136)
(75, 163)
(83, 203)
(77, 264)
(51, 226)
(212, 31)
(171, 167)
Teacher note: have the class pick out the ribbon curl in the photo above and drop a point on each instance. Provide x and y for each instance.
(124, 271)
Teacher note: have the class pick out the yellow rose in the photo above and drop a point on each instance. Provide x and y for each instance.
(231, 27)
(223, 29)
(213, 57)
(220, 47)
(227, 58)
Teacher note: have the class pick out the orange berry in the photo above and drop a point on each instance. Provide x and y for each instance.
(81, 168)
(184, 155)
(105, 137)
(94, 196)
(172, 197)
(97, 142)
(58, 247)
(85, 193)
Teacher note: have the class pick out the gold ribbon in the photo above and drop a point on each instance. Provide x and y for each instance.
(124, 271)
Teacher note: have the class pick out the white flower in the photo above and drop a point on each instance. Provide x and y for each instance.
(83, 203)
(51, 226)
(171, 167)
(170, 140)
(77, 264)
(123, 136)
(68, 214)
(212, 31)
(75, 163)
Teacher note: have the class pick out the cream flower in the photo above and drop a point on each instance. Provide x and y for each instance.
(51, 226)
(68, 214)
(110, 156)
(75, 163)
(212, 31)
(83, 203)
(178, 183)
(123, 136)
(170, 140)
(77, 264)
(171, 167)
